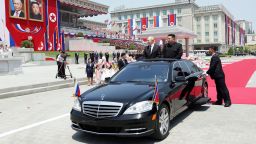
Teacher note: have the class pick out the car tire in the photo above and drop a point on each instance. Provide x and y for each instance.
(162, 123)
(205, 90)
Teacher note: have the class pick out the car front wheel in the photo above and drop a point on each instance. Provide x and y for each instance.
(162, 123)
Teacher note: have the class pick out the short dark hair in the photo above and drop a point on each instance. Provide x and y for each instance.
(215, 48)
(171, 35)
(123, 54)
(34, 3)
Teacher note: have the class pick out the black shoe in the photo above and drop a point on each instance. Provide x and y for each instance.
(217, 103)
(227, 104)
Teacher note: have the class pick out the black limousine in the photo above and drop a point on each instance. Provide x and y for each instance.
(124, 106)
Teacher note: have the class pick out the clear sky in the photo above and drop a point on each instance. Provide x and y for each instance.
(240, 9)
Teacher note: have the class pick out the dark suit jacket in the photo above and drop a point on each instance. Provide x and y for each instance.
(89, 68)
(21, 14)
(174, 51)
(122, 63)
(156, 52)
(215, 69)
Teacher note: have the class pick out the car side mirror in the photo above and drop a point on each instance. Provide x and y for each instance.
(180, 79)
(107, 79)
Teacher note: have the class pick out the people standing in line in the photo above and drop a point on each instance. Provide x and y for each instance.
(122, 62)
(152, 50)
(107, 56)
(172, 49)
(85, 58)
(76, 58)
(89, 72)
(216, 73)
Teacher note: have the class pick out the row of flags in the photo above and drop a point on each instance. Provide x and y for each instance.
(231, 31)
(133, 27)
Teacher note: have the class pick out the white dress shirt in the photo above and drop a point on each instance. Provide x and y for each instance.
(16, 13)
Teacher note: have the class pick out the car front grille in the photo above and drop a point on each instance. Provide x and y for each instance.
(101, 109)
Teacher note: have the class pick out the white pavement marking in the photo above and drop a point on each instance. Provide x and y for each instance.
(32, 125)
(252, 81)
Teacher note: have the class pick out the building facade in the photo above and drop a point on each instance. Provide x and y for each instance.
(246, 25)
(214, 25)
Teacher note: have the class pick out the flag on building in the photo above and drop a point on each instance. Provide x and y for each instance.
(156, 21)
(130, 27)
(171, 19)
(144, 24)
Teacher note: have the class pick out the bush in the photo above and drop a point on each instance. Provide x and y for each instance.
(80, 34)
(132, 47)
(230, 51)
(105, 41)
(27, 44)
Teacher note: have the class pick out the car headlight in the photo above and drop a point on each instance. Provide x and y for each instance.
(77, 105)
(140, 107)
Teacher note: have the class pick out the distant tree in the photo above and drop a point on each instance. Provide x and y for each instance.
(230, 51)
(80, 34)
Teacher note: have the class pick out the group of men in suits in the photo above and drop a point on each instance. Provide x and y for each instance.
(171, 49)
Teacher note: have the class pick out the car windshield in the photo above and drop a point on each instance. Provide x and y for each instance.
(142, 73)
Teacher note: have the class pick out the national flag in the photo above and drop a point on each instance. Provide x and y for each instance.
(171, 19)
(156, 93)
(156, 21)
(77, 89)
(144, 24)
(130, 27)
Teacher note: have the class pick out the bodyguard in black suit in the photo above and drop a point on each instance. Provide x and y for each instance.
(216, 72)
(152, 50)
(85, 58)
(76, 58)
(122, 62)
(107, 56)
(172, 49)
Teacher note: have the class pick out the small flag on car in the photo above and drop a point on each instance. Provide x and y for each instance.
(77, 89)
(156, 93)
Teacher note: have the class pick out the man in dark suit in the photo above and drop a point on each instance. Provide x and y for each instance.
(85, 58)
(122, 62)
(18, 6)
(216, 72)
(107, 56)
(152, 50)
(76, 58)
(172, 49)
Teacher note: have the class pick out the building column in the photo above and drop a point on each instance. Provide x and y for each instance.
(186, 46)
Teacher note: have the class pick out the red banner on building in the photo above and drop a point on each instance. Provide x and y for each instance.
(144, 24)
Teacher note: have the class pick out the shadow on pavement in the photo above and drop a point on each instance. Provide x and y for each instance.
(96, 139)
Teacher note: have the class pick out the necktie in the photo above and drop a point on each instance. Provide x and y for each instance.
(17, 14)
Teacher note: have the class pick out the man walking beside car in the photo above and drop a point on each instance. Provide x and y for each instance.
(216, 72)
(172, 49)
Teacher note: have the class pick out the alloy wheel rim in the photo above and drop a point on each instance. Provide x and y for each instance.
(205, 91)
(164, 121)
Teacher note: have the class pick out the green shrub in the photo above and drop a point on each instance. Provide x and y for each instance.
(132, 47)
(230, 51)
(80, 34)
(27, 44)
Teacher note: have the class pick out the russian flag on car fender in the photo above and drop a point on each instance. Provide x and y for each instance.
(77, 90)
(156, 93)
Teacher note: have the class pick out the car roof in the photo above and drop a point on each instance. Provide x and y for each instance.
(161, 60)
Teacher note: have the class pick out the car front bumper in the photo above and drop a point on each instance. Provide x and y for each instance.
(123, 125)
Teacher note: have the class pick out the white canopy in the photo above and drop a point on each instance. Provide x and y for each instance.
(162, 32)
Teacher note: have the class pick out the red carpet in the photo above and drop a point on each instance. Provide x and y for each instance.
(237, 76)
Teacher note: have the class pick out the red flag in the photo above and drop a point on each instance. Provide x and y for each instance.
(144, 24)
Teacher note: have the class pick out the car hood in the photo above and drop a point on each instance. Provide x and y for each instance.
(123, 93)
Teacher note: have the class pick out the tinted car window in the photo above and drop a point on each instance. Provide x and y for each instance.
(193, 68)
(176, 70)
(143, 72)
(185, 69)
